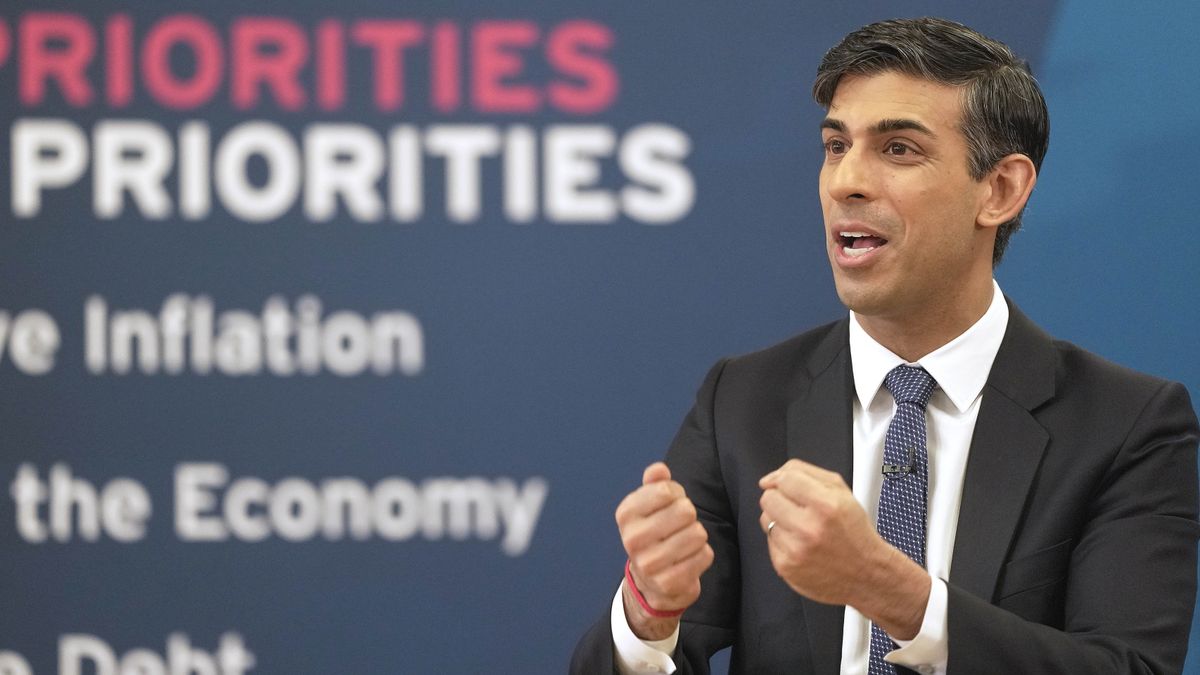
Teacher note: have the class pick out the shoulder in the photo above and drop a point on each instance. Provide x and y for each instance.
(1080, 368)
(805, 351)
(1115, 397)
(783, 366)
(1079, 384)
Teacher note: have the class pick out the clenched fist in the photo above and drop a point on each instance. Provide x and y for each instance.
(823, 544)
(668, 550)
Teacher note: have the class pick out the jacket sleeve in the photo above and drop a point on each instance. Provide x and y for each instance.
(708, 625)
(1130, 583)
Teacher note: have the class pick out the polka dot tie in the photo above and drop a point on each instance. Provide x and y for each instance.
(902, 519)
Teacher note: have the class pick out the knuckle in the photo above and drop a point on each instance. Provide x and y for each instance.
(634, 540)
(632, 549)
(622, 514)
(687, 515)
(635, 568)
(689, 509)
(658, 488)
(666, 582)
(768, 498)
(678, 514)
(646, 579)
(650, 563)
(682, 578)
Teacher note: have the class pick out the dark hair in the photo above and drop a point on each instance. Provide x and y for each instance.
(1003, 108)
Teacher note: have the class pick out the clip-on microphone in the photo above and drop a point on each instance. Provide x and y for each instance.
(896, 470)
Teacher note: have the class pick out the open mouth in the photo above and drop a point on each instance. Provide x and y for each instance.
(855, 244)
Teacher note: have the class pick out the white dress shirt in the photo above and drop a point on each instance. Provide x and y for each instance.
(960, 368)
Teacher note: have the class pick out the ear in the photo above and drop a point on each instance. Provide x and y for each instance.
(1010, 183)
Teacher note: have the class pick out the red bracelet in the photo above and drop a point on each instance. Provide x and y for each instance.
(656, 613)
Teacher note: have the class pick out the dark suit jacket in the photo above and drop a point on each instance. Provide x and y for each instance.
(1076, 544)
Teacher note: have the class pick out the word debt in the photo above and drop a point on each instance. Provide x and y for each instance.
(188, 335)
(258, 171)
(80, 654)
(487, 66)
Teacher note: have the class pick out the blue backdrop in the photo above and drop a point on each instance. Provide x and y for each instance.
(569, 212)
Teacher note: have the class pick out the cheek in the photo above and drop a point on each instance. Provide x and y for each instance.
(940, 207)
(822, 193)
(827, 204)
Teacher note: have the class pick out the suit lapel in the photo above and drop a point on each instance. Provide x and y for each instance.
(1006, 450)
(819, 431)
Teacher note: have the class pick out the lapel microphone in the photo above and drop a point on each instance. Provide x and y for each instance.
(897, 470)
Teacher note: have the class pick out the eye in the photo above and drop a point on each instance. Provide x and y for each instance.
(835, 146)
(898, 149)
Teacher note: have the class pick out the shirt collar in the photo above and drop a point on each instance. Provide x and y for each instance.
(960, 366)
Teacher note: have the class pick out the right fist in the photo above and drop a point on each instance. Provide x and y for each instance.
(667, 546)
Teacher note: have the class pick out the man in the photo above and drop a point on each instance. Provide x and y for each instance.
(931, 483)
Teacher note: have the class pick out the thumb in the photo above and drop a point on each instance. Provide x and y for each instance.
(655, 473)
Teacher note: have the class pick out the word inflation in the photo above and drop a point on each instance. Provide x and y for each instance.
(260, 171)
(188, 335)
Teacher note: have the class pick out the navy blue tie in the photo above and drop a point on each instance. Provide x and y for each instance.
(902, 498)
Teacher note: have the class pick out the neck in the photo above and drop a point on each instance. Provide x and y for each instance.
(913, 334)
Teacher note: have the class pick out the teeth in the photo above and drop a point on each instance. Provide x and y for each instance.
(855, 234)
(856, 252)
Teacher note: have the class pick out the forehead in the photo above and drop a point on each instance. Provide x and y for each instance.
(861, 101)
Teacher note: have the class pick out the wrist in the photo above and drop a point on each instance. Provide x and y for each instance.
(644, 626)
(631, 586)
(897, 594)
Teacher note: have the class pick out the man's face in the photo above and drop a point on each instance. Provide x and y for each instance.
(896, 171)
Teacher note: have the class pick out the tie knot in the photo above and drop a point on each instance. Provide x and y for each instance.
(910, 385)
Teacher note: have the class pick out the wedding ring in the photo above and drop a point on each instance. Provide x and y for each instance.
(770, 526)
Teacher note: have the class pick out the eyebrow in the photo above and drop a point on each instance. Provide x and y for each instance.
(882, 126)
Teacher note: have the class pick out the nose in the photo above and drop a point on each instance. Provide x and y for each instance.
(850, 177)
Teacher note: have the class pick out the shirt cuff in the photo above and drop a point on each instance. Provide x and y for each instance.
(635, 656)
(928, 652)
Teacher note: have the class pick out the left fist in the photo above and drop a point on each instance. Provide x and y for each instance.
(823, 543)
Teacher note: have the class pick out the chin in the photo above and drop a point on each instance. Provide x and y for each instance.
(864, 301)
(853, 295)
